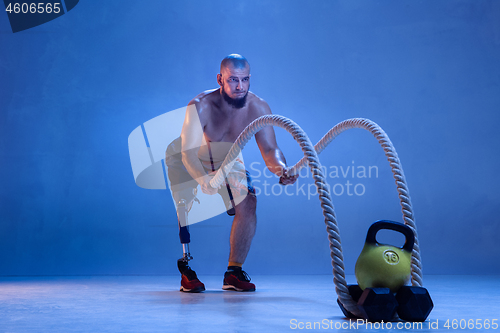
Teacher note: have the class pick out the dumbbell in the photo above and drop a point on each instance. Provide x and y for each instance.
(355, 292)
(415, 303)
(377, 304)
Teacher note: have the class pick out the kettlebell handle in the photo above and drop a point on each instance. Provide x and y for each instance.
(391, 225)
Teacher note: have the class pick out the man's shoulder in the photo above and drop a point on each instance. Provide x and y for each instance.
(205, 102)
(205, 98)
(257, 104)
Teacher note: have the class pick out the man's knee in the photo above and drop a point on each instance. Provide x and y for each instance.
(247, 205)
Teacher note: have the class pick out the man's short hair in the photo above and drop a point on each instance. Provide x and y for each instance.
(238, 61)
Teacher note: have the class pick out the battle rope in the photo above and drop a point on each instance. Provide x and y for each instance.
(311, 157)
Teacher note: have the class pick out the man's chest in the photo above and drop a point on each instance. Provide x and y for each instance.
(221, 128)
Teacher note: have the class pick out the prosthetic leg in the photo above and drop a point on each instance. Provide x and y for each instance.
(184, 201)
(185, 237)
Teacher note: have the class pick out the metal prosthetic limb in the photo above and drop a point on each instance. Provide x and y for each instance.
(182, 217)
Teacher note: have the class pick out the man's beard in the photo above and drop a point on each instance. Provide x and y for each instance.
(237, 103)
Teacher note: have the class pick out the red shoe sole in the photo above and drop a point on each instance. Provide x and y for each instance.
(230, 287)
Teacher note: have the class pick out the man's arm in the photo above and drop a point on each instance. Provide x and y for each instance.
(192, 139)
(272, 154)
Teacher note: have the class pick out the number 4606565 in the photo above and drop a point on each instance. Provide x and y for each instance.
(471, 324)
(33, 8)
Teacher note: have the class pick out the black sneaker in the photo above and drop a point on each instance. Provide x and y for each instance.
(237, 279)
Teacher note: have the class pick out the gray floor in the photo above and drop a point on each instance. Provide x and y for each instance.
(281, 303)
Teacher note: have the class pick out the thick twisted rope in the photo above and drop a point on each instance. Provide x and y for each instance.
(311, 157)
(397, 171)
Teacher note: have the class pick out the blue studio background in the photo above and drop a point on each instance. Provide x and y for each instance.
(73, 89)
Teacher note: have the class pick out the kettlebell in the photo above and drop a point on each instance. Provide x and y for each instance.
(382, 265)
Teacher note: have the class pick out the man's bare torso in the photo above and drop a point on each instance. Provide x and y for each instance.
(223, 124)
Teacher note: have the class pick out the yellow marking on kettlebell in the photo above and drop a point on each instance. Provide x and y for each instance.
(391, 257)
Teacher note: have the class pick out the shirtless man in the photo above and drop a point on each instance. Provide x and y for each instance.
(220, 116)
